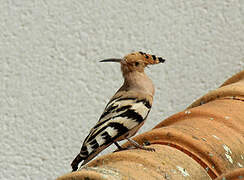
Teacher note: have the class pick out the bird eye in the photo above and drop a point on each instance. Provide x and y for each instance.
(136, 63)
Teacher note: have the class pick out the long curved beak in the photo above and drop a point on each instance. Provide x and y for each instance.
(111, 60)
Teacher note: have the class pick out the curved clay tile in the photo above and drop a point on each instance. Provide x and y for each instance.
(205, 141)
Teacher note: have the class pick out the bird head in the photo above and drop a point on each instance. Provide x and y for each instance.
(136, 61)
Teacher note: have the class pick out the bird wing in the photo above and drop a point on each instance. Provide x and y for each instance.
(121, 115)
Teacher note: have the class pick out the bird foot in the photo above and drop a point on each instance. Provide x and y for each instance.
(135, 145)
(147, 149)
(140, 146)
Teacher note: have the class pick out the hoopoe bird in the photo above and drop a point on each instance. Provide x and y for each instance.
(127, 110)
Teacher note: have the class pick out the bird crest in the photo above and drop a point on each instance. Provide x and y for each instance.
(141, 56)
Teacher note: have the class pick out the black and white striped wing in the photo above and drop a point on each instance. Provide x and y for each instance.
(119, 117)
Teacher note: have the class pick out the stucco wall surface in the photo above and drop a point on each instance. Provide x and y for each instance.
(53, 88)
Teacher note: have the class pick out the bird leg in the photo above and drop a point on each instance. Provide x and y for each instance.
(119, 147)
(139, 146)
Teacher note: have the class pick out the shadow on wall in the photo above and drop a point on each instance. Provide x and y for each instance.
(205, 141)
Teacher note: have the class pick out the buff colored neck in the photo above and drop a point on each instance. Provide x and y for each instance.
(139, 82)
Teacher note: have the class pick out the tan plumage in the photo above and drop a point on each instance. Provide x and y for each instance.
(127, 110)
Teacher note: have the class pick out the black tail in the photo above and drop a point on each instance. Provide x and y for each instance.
(76, 162)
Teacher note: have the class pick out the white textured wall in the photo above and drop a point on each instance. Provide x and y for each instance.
(53, 89)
